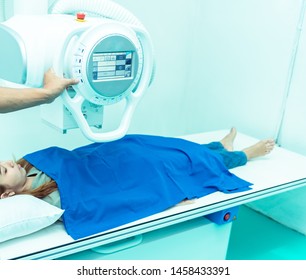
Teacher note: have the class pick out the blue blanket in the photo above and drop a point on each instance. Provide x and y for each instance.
(105, 185)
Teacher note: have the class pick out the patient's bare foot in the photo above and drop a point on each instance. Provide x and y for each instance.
(228, 140)
(261, 148)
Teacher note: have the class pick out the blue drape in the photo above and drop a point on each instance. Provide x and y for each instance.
(104, 185)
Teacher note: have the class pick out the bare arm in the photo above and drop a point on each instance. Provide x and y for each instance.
(16, 99)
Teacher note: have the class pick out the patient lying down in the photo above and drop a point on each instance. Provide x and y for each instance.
(104, 185)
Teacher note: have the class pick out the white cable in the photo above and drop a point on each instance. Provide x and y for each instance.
(102, 8)
(290, 71)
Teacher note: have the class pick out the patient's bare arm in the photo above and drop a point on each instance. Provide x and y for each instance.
(13, 99)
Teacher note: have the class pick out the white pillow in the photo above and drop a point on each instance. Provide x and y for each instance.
(23, 214)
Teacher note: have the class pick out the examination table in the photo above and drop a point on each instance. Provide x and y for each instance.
(198, 230)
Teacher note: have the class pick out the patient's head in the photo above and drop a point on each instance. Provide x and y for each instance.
(13, 178)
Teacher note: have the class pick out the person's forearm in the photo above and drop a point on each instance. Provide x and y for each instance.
(17, 99)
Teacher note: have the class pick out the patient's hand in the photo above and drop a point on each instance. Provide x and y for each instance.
(186, 202)
(6, 195)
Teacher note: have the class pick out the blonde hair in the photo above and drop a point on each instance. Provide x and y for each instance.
(43, 190)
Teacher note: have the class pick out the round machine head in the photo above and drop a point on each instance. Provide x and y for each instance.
(108, 61)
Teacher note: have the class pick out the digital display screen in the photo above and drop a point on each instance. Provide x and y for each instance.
(112, 65)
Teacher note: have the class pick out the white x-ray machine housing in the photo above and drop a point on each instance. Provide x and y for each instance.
(110, 54)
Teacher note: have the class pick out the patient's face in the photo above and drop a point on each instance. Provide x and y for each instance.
(12, 175)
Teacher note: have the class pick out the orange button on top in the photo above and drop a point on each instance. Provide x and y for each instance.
(80, 17)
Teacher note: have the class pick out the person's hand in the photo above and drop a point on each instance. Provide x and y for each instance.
(6, 195)
(186, 202)
(55, 85)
